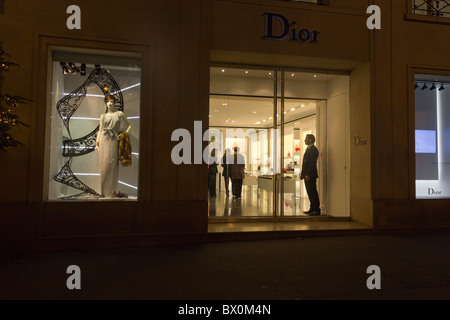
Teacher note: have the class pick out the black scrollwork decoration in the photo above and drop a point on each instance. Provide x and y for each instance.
(70, 103)
(67, 177)
(81, 146)
(437, 8)
(67, 106)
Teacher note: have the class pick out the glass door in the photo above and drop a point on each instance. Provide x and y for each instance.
(297, 118)
(263, 117)
(241, 108)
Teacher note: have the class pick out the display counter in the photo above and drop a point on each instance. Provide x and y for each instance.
(266, 183)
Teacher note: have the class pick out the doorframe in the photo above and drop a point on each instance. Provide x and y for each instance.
(278, 215)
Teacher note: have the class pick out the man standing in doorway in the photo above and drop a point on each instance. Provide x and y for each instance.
(310, 175)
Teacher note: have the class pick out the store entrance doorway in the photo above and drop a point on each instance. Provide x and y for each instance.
(264, 116)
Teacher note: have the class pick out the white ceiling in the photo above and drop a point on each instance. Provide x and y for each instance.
(248, 110)
(226, 111)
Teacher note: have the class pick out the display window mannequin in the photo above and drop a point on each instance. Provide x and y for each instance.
(107, 146)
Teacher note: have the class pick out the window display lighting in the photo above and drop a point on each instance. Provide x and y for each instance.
(74, 68)
(433, 87)
(64, 68)
(83, 69)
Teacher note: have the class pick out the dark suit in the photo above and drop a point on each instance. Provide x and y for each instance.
(226, 173)
(309, 168)
(212, 171)
(237, 173)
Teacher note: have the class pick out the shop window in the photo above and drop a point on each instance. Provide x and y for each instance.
(431, 8)
(93, 127)
(432, 136)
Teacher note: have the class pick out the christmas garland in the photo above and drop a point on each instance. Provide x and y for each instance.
(8, 103)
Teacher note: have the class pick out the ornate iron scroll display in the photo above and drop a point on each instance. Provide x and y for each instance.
(437, 8)
(67, 106)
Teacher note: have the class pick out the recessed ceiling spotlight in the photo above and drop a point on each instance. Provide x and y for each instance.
(303, 105)
(292, 75)
(270, 73)
(223, 70)
(246, 71)
(315, 76)
(254, 112)
(270, 118)
(264, 120)
(259, 122)
(293, 109)
(224, 104)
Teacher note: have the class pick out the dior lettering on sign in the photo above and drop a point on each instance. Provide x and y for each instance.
(360, 142)
(431, 191)
(301, 35)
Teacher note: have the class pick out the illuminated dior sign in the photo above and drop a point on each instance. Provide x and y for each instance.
(287, 29)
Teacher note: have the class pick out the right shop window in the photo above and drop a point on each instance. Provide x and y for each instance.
(432, 136)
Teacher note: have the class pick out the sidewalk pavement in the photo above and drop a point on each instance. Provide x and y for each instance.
(413, 266)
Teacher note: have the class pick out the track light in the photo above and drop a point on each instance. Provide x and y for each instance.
(74, 68)
(83, 69)
(64, 68)
(424, 86)
(442, 87)
(433, 87)
(416, 85)
(97, 68)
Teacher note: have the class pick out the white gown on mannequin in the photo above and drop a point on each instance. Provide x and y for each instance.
(109, 155)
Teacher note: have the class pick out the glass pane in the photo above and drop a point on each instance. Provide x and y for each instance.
(241, 109)
(76, 171)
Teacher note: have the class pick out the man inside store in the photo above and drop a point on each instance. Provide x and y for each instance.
(310, 175)
(237, 172)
